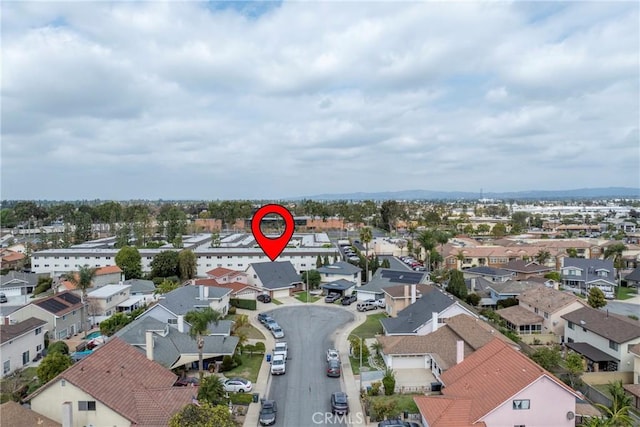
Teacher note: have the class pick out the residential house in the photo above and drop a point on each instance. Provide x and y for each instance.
(278, 279)
(16, 283)
(16, 415)
(500, 291)
(176, 304)
(538, 316)
(105, 301)
(580, 275)
(489, 273)
(399, 297)
(603, 338)
(10, 260)
(224, 275)
(21, 343)
(341, 287)
(141, 287)
(441, 349)
(633, 278)
(498, 386)
(63, 313)
(103, 276)
(238, 289)
(173, 347)
(116, 385)
(340, 271)
(523, 270)
(425, 314)
(384, 278)
(634, 388)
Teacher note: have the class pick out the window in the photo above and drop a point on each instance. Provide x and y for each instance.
(39, 347)
(6, 366)
(172, 321)
(25, 357)
(86, 405)
(613, 345)
(38, 331)
(546, 315)
(570, 325)
(521, 404)
(535, 310)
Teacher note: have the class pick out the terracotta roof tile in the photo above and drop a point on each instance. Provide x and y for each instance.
(110, 269)
(220, 272)
(441, 411)
(518, 316)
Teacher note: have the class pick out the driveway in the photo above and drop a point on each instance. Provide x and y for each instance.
(305, 389)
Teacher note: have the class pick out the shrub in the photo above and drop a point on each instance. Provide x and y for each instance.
(241, 398)
(237, 360)
(58, 347)
(247, 304)
(375, 388)
(227, 364)
(389, 382)
(260, 347)
(232, 310)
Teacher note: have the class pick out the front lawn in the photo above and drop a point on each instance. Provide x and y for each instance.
(303, 296)
(249, 330)
(355, 364)
(626, 293)
(371, 327)
(249, 369)
(399, 403)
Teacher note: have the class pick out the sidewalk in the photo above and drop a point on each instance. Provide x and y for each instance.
(351, 382)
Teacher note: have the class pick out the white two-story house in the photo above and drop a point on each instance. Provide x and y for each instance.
(340, 270)
(21, 343)
(104, 302)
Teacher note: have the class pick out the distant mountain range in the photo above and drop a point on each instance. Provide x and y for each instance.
(581, 193)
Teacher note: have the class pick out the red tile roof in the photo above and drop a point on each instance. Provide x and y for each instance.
(236, 287)
(220, 272)
(13, 256)
(442, 411)
(110, 269)
(487, 378)
(123, 379)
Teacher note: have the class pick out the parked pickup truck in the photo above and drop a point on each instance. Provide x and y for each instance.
(278, 365)
(281, 348)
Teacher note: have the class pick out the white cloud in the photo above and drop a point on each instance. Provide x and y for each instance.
(188, 100)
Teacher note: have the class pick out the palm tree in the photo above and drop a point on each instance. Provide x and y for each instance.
(615, 252)
(82, 280)
(199, 321)
(365, 237)
(428, 242)
(442, 237)
(240, 321)
(543, 256)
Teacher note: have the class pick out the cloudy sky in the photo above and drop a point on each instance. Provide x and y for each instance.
(196, 100)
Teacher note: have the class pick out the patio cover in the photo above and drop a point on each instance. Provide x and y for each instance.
(590, 352)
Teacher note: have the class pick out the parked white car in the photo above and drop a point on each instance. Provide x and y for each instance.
(237, 385)
(332, 354)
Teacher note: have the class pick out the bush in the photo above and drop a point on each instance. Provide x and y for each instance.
(44, 284)
(260, 347)
(227, 364)
(375, 388)
(241, 398)
(247, 304)
(232, 310)
(389, 382)
(58, 347)
(237, 360)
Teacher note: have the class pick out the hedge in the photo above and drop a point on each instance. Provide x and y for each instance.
(247, 304)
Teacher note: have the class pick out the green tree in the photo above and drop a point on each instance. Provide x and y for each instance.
(187, 264)
(389, 213)
(473, 299)
(114, 323)
(389, 382)
(614, 252)
(386, 263)
(58, 347)
(318, 262)
(176, 223)
(366, 235)
(314, 278)
(82, 280)
(199, 321)
(456, 284)
(427, 241)
(618, 413)
(484, 228)
(83, 225)
(548, 358)
(519, 222)
(123, 235)
(574, 367)
(215, 240)
(325, 260)
(553, 275)
(165, 287)
(596, 297)
(499, 230)
(212, 391)
(130, 262)
(52, 365)
(542, 256)
(355, 349)
(572, 252)
(165, 264)
(202, 415)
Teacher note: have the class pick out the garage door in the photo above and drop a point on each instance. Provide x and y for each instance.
(281, 293)
(413, 362)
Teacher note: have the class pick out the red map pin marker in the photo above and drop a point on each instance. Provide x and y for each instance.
(272, 247)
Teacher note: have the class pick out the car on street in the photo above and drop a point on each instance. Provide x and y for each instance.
(187, 381)
(271, 323)
(332, 354)
(3, 298)
(237, 385)
(366, 306)
(281, 348)
(333, 368)
(332, 297)
(264, 298)
(277, 332)
(349, 299)
(268, 411)
(278, 365)
(339, 403)
(264, 317)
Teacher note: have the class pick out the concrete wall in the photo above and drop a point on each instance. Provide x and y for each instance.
(607, 377)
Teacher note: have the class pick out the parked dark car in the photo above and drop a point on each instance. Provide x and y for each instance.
(333, 368)
(332, 297)
(397, 423)
(339, 403)
(187, 381)
(264, 298)
(264, 318)
(268, 412)
(3, 298)
(349, 299)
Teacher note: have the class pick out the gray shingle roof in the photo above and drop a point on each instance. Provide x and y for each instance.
(588, 270)
(30, 278)
(619, 329)
(276, 275)
(169, 343)
(185, 298)
(340, 267)
(338, 285)
(417, 314)
(487, 271)
(634, 276)
(513, 286)
(140, 286)
(385, 277)
(9, 332)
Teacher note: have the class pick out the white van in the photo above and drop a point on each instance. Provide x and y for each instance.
(366, 306)
(278, 365)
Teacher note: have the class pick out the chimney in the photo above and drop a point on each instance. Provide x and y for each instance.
(473, 284)
(181, 323)
(406, 292)
(201, 289)
(149, 344)
(459, 351)
(434, 321)
(67, 414)
(413, 293)
(206, 292)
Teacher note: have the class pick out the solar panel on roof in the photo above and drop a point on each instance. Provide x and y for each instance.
(402, 276)
(52, 305)
(70, 298)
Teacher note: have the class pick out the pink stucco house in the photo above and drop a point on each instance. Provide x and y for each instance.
(499, 386)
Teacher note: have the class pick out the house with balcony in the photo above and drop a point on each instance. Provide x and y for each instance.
(63, 313)
(340, 271)
(498, 386)
(604, 339)
(116, 385)
(580, 275)
(21, 344)
(538, 315)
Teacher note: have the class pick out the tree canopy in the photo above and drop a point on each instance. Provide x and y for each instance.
(202, 414)
(165, 264)
(596, 297)
(52, 365)
(130, 262)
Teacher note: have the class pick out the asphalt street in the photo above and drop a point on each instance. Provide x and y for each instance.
(303, 393)
(395, 263)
